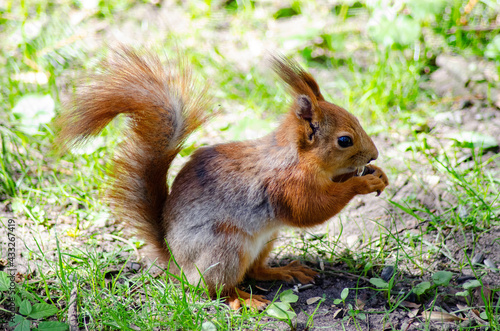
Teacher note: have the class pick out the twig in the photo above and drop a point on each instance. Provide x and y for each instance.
(72, 309)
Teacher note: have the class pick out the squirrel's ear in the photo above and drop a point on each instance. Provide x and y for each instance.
(304, 110)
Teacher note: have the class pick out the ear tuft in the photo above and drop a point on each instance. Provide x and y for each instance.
(304, 110)
(299, 80)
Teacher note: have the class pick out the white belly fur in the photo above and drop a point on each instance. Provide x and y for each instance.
(256, 244)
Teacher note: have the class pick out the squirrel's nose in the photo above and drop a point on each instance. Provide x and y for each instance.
(374, 156)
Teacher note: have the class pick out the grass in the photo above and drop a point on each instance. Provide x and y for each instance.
(376, 72)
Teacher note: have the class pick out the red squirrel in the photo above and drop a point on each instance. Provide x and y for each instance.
(222, 213)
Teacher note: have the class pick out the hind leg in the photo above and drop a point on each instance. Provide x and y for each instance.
(294, 270)
(225, 263)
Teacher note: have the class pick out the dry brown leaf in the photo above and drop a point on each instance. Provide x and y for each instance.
(462, 309)
(409, 304)
(19, 277)
(478, 296)
(360, 304)
(413, 313)
(336, 312)
(475, 314)
(440, 316)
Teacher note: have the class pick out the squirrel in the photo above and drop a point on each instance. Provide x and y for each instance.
(221, 215)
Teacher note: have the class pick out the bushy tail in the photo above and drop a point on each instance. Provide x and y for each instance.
(163, 106)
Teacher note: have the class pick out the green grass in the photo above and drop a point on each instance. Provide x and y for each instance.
(47, 48)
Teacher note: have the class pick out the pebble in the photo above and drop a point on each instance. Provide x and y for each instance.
(490, 265)
(478, 258)
(353, 241)
(134, 266)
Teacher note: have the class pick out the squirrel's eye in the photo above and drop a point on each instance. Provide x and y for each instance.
(345, 141)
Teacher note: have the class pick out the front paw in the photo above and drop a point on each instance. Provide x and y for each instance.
(374, 179)
(377, 172)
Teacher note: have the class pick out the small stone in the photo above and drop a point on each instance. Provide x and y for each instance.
(352, 241)
(490, 265)
(134, 266)
(478, 258)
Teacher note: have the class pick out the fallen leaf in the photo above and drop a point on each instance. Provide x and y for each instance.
(413, 313)
(19, 277)
(486, 292)
(476, 315)
(336, 313)
(312, 300)
(360, 304)
(469, 139)
(409, 304)
(440, 316)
